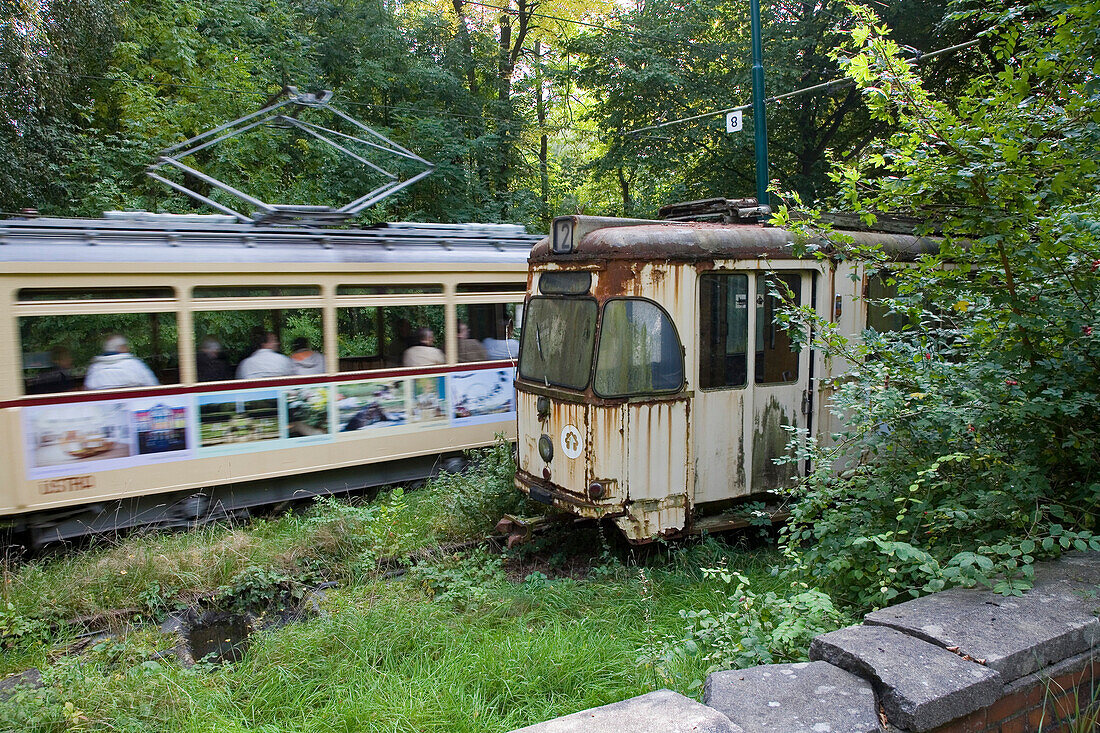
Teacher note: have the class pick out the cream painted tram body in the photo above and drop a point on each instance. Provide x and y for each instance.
(78, 461)
(654, 384)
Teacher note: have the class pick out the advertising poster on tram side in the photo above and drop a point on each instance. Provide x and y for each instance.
(235, 422)
(160, 426)
(372, 405)
(484, 395)
(429, 402)
(308, 411)
(100, 436)
(63, 439)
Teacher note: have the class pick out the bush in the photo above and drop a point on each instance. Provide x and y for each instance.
(749, 629)
(476, 498)
(970, 441)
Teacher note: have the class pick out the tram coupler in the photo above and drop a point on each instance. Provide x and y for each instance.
(518, 530)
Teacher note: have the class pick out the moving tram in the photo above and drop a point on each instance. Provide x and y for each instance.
(655, 387)
(185, 291)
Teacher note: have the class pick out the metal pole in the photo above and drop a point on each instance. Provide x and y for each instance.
(759, 120)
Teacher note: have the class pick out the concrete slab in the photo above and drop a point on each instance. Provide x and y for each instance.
(811, 697)
(1014, 635)
(1080, 568)
(920, 685)
(30, 679)
(662, 711)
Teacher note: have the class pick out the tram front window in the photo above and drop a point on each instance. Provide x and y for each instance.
(639, 350)
(557, 341)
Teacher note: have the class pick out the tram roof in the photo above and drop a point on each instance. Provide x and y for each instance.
(158, 238)
(604, 239)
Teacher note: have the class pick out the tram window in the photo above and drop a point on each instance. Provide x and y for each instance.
(639, 350)
(556, 347)
(223, 339)
(776, 361)
(489, 331)
(723, 330)
(272, 291)
(880, 316)
(433, 289)
(39, 294)
(565, 283)
(59, 350)
(376, 337)
(516, 287)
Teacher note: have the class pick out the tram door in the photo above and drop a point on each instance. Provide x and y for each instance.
(751, 383)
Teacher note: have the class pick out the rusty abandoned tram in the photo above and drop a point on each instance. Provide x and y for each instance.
(654, 381)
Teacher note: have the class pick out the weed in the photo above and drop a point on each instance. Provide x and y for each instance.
(474, 501)
(15, 628)
(256, 589)
(465, 580)
(748, 628)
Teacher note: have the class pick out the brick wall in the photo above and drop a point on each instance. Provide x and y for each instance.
(1065, 697)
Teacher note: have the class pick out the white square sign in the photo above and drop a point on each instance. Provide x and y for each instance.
(733, 121)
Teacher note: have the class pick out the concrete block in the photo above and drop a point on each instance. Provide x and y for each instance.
(811, 697)
(1014, 635)
(1080, 568)
(30, 679)
(662, 711)
(920, 685)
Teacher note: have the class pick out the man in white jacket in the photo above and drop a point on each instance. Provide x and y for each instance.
(117, 368)
(266, 361)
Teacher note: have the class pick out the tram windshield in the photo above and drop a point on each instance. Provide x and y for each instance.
(558, 341)
(639, 350)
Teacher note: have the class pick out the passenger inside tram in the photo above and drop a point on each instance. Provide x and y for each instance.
(116, 367)
(306, 360)
(424, 353)
(266, 361)
(211, 365)
(469, 349)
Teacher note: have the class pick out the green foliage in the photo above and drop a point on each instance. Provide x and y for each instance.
(670, 60)
(465, 580)
(475, 499)
(16, 628)
(748, 628)
(969, 448)
(354, 538)
(257, 589)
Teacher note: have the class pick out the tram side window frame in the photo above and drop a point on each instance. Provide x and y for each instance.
(60, 366)
(717, 325)
(385, 306)
(769, 333)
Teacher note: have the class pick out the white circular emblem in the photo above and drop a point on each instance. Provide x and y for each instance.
(571, 441)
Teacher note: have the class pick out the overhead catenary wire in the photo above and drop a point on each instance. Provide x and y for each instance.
(824, 86)
(254, 93)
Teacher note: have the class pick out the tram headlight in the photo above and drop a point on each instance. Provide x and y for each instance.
(546, 448)
(542, 407)
(596, 490)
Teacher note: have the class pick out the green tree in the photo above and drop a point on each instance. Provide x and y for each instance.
(665, 61)
(972, 439)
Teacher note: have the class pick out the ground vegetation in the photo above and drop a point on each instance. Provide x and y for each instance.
(418, 626)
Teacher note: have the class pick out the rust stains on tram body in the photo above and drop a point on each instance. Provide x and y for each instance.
(655, 388)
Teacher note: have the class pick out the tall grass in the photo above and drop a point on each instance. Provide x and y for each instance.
(461, 643)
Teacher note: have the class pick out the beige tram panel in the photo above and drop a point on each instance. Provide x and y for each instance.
(196, 473)
(20, 494)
